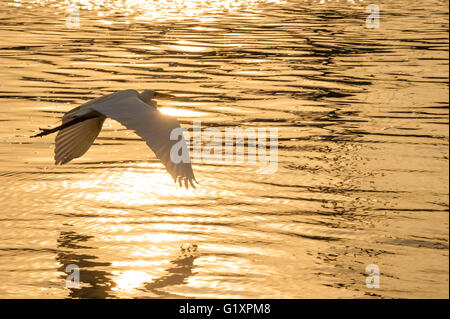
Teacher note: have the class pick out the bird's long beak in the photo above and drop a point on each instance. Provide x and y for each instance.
(164, 95)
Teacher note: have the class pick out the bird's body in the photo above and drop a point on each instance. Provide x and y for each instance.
(138, 112)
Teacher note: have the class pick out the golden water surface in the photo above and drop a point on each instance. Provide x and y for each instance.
(362, 116)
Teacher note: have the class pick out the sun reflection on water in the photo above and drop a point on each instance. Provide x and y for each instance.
(130, 279)
(159, 10)
(134, 187)
(180, 112)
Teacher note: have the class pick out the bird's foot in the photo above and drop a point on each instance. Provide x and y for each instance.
(44, 131)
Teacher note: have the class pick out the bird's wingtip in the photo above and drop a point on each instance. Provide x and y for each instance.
(186, 182)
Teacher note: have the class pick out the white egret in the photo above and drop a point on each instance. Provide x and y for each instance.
(137, 112)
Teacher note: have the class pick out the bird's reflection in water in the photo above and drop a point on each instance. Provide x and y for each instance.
(93, 283)
(102, 284)
(180, 269)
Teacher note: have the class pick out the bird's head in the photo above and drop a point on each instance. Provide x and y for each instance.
(148, 95)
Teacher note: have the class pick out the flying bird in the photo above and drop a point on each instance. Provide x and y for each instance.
(137, 112)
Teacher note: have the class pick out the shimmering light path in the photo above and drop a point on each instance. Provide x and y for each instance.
(362, 116)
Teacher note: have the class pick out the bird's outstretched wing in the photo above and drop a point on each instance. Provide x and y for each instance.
(73, 141)
(153, 126)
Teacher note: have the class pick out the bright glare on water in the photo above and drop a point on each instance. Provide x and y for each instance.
(362, 118)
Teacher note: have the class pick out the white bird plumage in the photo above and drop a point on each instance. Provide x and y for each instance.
(137, 112)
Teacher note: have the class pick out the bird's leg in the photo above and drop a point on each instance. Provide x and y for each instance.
(65, 125)
(45, 131)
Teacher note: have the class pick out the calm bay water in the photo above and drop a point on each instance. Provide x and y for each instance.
(362, 116)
